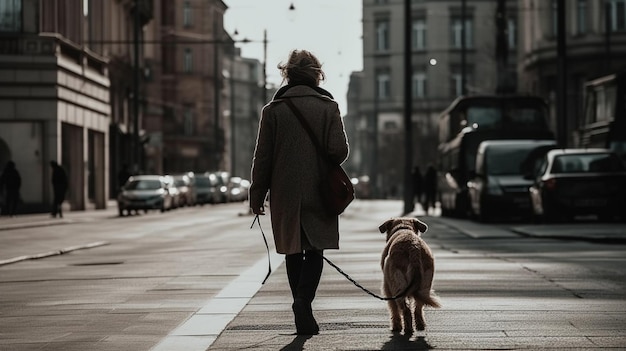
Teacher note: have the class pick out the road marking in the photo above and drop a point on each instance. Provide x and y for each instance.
(203, 327)
(53, 252)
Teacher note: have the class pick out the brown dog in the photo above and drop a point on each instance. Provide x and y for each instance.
(408, 268)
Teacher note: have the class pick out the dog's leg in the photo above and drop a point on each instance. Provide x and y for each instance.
(394, 311)
(418, 311)
(407, 315)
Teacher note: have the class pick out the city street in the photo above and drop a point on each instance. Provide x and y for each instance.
(190, 279)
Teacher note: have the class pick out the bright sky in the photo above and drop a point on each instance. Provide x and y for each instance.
(330, 29)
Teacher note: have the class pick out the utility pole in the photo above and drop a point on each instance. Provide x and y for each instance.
(409, 206)
(136, 154)
(265, 65)
(502, 48)
(463, 47)
(561, 90)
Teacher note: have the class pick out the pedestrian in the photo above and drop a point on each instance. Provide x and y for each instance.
(430, 182)
(59, 187)
(10, 183)
(287, 164)
(123, 175)
(417, 184)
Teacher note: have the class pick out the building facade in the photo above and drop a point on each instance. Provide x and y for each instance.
(185, 121)
(453, 52)
(595, 42)
(246, 92)
(55, 102)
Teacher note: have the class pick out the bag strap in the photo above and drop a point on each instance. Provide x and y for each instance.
(307, 127)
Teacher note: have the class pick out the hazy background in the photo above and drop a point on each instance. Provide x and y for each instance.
(331, 29)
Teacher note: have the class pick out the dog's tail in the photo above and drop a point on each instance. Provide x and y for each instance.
(425, 293)
(429, 298)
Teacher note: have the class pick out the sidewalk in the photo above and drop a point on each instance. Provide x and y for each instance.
(488, 303)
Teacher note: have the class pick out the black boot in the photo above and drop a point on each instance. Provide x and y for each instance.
(294, 268)
(307, 287)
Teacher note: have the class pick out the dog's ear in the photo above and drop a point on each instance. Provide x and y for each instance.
(420, 226)
(385, 226)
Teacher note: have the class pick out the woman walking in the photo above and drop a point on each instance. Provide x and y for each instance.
(287, 165)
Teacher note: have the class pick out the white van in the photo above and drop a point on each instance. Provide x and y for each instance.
(498, 187)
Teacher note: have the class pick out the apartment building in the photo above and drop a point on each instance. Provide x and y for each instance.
(595, 42)
(185, 121)
(444, 67)
(246, 89)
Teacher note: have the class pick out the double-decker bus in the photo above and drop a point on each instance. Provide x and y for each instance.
(604, 121)
(467, 122)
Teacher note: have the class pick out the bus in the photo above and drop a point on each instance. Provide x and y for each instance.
(604, 121)
(470, 120)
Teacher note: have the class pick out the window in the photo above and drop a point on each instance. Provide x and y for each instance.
(617, 15)
(581, 17)
(419, 34)
(456, 79)
(187, 18)
(456, 84)
(383, 85)
(188, 120)
(419, 85)
(382, 35)
(457, 30)
(511, 33)
(10, 15)
(555, 20)
(187, 61)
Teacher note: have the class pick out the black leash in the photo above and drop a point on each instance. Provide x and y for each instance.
(267, 247)
(384, 298)
(269, 270)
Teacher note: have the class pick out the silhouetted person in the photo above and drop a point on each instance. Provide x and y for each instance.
(123, 175)
(59, 187)
(417, 184)
(10, 183)
(430, 185)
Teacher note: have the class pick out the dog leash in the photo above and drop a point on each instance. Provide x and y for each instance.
(383, 298)
(267, 247)
(346, 275)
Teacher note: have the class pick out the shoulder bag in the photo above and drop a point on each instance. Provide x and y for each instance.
(335, 188)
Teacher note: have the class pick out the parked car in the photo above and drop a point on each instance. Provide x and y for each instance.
(206, 188)
(222, 179)
(498, 188)
(144, 192)
(238, 188)
(571, 182)
(186, 194)
(173, 190)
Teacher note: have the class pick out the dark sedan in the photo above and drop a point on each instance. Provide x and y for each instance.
(574, 182)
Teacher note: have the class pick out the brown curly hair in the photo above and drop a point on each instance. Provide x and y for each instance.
(302, 67)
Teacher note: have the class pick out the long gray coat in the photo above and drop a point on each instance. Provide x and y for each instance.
(286, 164)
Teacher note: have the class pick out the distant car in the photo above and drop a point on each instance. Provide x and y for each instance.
(173, 190)
(144, 192)
(238, 188)
(222, 179)
(571, 182)
(206, 188)
(498, 188)
(186, 195)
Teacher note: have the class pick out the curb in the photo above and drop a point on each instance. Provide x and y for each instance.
(53, 253)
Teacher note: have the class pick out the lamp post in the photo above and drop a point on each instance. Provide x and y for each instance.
(136, 154)
(408, 112)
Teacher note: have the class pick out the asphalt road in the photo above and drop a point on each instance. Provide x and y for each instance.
(147, 276)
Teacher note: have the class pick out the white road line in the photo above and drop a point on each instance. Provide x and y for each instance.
(203, 327)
